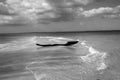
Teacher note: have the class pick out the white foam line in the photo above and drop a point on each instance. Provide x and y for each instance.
(92, 56)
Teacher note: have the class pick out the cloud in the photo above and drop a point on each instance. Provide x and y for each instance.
(94, 12)
(84, 2)
(5, 19)
(102, 10)
(4, 9)
(28, 6)
(42, 14)
(106, 12)
(43, 11)
(48, 11)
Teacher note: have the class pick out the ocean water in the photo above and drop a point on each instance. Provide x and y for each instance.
(62, 62)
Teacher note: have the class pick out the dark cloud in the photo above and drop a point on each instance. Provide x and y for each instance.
(3, 1)
(61, 16)
(62, 11)
(4, 10)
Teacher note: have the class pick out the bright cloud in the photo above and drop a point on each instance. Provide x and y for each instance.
(84, 2)
(28, 6)
(101, 10)
(5, 19)
(97, 11)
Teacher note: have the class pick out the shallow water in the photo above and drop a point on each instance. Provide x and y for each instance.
(13, 63)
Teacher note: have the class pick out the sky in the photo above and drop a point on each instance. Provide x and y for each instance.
(58, 15)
